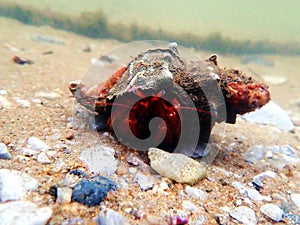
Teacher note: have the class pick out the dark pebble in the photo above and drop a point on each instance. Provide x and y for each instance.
(53, 191)
(92, 192)
(78, 172)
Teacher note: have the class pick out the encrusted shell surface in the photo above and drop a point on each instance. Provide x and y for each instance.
(178, 167)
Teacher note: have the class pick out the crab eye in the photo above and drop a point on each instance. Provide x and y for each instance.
(73, 86)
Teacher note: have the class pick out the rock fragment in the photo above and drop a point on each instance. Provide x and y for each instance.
(257, 180)
(188, 205)
(92, 192)
(4, 153)
(254, 154)
(144, 181)
(110, 217)
(37, 144)
(100, 160)
(15, 184)
(47, 95)
(272, 211)
(25, 103)
(43, 158)
(244, 215)
(178, 167)
(195, 193)
(4, 103)
(23, 213)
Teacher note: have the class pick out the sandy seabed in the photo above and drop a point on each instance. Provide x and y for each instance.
(56, 64)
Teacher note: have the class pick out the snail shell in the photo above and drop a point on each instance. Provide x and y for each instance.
(176, 166)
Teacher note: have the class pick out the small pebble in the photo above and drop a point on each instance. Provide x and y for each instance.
(23, 213)
(100, 160)
(195, 193)
(69, 136)
(92, 192)
(178, 167)
(257, 180)
(296, 199)
(15, 184)
(254, 154)
(110, 217)
(3, 92)
(244, 215)
(144, 181)
(37, 144)
(64, 195)
(188, 205)
(23, 102)
(4, 103)
(29, 152)
(272, 211)
(254, 195)
(4, 153)
(47, 95)
(43, 158)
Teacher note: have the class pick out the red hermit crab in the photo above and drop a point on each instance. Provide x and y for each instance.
(160, 99)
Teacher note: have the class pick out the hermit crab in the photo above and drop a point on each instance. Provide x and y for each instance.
(162, 99)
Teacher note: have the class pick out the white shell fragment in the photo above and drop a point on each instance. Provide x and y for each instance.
(178, 167)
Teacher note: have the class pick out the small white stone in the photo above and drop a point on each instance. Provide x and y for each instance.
(258, 178)
(64, 195)
(100, 160)
(15, 184)
(47, 95)
(269, 154)
(23, 213)
(4, 103)
(254, 194)
(296, 199)
(272, 211)
(110, 217)
(3, 92)
(37, 144)
(188, 205)
(43, 158)
(4, 153)
(195, 193)
(144, 181)
(29, 152)
(244, 215)
(23, 102)
(36, 100)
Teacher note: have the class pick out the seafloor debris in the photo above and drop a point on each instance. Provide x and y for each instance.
(159, 83)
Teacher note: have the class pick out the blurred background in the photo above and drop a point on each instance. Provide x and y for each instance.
(231, 26)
